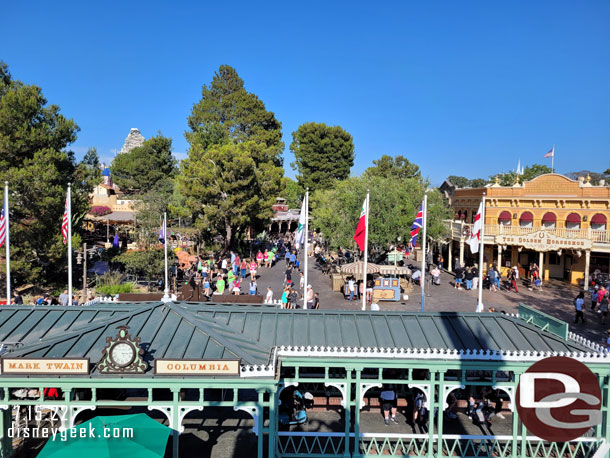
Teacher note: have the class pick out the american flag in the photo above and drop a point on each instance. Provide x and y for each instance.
(417, 224)
(64, 223)
(551, 152)
(2, 226)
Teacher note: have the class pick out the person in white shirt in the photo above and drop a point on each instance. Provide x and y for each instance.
(351, 285)
(269, 296)
(223, 265)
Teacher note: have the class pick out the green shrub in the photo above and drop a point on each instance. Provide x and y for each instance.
(112, 290)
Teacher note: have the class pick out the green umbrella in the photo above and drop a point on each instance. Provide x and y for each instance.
(148, 439)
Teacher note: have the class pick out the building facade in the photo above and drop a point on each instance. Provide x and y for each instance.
(556, 222)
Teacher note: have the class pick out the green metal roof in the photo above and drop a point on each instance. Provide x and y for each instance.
(250, 333)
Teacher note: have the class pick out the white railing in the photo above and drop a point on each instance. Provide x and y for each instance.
(459, 229)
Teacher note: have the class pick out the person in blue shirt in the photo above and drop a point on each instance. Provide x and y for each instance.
(293, 259)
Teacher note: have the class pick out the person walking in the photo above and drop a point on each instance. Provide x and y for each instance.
(253, 266)
(64, 299)
(253, 287)
(492, 279)
(475, 276)
(292, 299)
(259, 258)
(309, 298)
(269, 296)
(603, 305)
(351, 286)
(579, 302)
(512, 280)
(284, 299)
(316, 301)
(468, 276)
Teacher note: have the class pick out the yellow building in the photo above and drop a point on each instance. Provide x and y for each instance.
(553, 221)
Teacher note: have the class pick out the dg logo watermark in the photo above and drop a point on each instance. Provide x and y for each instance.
(559, 399)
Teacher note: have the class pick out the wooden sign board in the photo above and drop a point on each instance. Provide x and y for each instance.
(185, 367)
(45, 366)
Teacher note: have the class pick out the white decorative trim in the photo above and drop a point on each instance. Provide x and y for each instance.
(341, 387)
(168, 411)
(4, 406)
(364, 387)
(587, 343)
(183, 412)
(424, 389)
(253, 411)
(75, 410)
(448, 389)
(510, 390)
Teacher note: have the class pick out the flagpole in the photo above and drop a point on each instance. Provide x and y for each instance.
(422, 278)
(305, 262)
(553, 160)
(481, 250)
(366, 248)
(166, 297)
(69, 244)
(8, 243)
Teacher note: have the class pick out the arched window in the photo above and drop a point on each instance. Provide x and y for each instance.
(504, 218)
(573, 221)
(526, 219)
(549, 220)
(598, 222)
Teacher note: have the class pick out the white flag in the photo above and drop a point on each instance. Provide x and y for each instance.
(475, 236)
(300, 238)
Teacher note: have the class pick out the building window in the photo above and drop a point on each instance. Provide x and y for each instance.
(549, 220)
(554, 258)
(598, 222)
(526, 219)
(573, 221)
(504, 218)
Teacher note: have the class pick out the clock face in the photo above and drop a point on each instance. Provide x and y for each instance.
(122, 354)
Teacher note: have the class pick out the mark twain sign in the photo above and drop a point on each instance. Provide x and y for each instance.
(543, 241)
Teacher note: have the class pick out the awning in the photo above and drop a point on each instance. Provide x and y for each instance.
(549, 218)
(118, 216)
(504, 216)
(598, 219)
(526, 217)
(573, 218)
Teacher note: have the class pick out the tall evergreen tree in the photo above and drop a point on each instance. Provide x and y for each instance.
(234, 170)
(33, 159)
(323, 154)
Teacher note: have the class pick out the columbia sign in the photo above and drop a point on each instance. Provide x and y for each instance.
(559, 399)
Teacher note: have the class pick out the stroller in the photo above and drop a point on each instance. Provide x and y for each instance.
(293, 407)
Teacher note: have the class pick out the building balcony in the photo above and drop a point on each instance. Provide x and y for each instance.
(460, 230)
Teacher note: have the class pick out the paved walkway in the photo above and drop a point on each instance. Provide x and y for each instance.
(555, 299)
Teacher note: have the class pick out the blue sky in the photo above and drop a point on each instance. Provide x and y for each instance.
(458, 87)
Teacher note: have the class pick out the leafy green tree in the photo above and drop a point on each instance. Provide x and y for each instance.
(150, 167)
(394, 204)
(595, 177)
(33, 138)
(292, 192)
(529, 173)
(228, 189)
(463, 182)
(234, 170)
(323, 154)
(398, 167)
(227, 111)
(147, 263)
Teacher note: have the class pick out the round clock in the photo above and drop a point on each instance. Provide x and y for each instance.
(122, 354)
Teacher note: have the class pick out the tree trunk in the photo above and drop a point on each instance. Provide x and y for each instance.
(229, 233)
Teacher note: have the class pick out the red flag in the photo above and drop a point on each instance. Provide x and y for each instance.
(360, 230)
(64, 223)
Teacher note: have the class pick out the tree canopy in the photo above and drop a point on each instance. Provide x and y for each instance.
(150, 167)
(394, 204)
(463, 182)
(233, 172)
(323, 154)
(33, 159)
(397, 167)
(529, 173)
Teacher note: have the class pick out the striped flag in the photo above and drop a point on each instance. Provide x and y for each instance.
(64, 223)
(417, 224)
(551, 153)
(2, 226)
(359, 235)
(475, 236)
